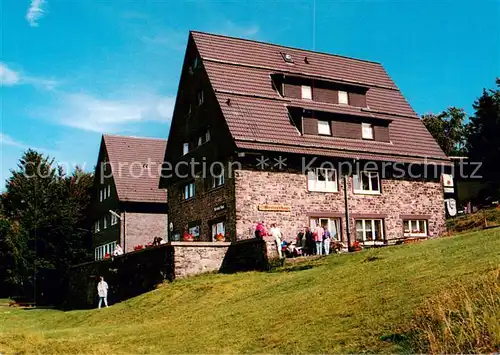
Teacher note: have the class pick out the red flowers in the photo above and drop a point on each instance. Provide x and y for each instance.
(220, 237)
(138, 247)
(188, 237)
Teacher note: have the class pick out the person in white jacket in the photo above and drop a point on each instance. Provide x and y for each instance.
(276, 233)
(102, 291)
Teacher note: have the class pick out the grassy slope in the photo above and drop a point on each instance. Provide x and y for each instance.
(335, 304)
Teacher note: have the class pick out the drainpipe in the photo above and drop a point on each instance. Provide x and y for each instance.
(124, 231)
(348, 230)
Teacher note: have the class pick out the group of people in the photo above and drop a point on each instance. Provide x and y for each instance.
(317, 241)
(308, 242)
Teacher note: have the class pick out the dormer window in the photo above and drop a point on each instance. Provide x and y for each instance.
(287, 57)
(367, 130)
(306, 92)
(324, 128)
(343, 98)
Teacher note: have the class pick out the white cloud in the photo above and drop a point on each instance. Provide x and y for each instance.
(230, 28)
(35, 12)
(8, 76)
(8, 140)
(95, 114)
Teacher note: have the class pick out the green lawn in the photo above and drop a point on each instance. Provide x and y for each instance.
(340, 303)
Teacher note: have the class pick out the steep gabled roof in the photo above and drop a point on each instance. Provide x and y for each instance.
(257, 115)
(135, 164)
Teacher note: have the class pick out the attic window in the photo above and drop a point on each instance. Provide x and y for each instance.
(287, 57)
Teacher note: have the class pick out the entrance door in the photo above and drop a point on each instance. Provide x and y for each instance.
(332, 224)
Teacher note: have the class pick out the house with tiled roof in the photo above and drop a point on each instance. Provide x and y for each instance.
(263, 132)
(128, 207)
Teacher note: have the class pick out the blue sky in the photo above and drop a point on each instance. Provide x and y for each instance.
(72, 70)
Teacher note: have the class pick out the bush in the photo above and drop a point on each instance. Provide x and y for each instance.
(465, 319)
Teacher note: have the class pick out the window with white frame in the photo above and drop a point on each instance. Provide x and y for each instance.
(97, 226)
(324, 128)
(332, 224)
(322, 179)
(306, 92)
(185, 148)
(367, 130)
(105, 222)
(218, 229)
(218, 179)
(415, 228)
(366, 182)
(369, 231)
(200, 97)
(189, 191)
(343, 97)
(101, 251)
(114, 219)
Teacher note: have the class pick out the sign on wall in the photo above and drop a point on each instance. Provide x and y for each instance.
(274, 208)
(448, 186)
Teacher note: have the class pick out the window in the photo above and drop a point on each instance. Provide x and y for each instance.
(343, 97)
(332, 224)
(324, 128)
(101, 251)
(114, 219)
(194, 231)
(195, 62)
(306, 92)
(205, 137)
(97, 226)
(189, 191)
(101, 195)
(287, 57)
(105, 222)
(321, 179)
(185, 148)
(369, 231)
(109, 190)
(415, 228)
(200, 97)
(367, 182)
(218, 180)
(218, 231)
(367, 130)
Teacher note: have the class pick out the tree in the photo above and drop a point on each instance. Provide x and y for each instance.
(483, 134)
(448, 130)
(49, 209)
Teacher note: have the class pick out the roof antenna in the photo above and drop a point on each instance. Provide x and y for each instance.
(228, 102)
(306, 60)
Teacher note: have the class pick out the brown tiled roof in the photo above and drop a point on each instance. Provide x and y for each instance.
(257, 116)
(135, 164)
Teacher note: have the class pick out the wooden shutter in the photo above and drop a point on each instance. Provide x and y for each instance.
(309, 125)
(381, 133)
(356, 99)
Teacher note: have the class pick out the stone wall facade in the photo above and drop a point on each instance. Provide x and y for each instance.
(398, 198)
(209, 205)
(141, 228)
(192, 258)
